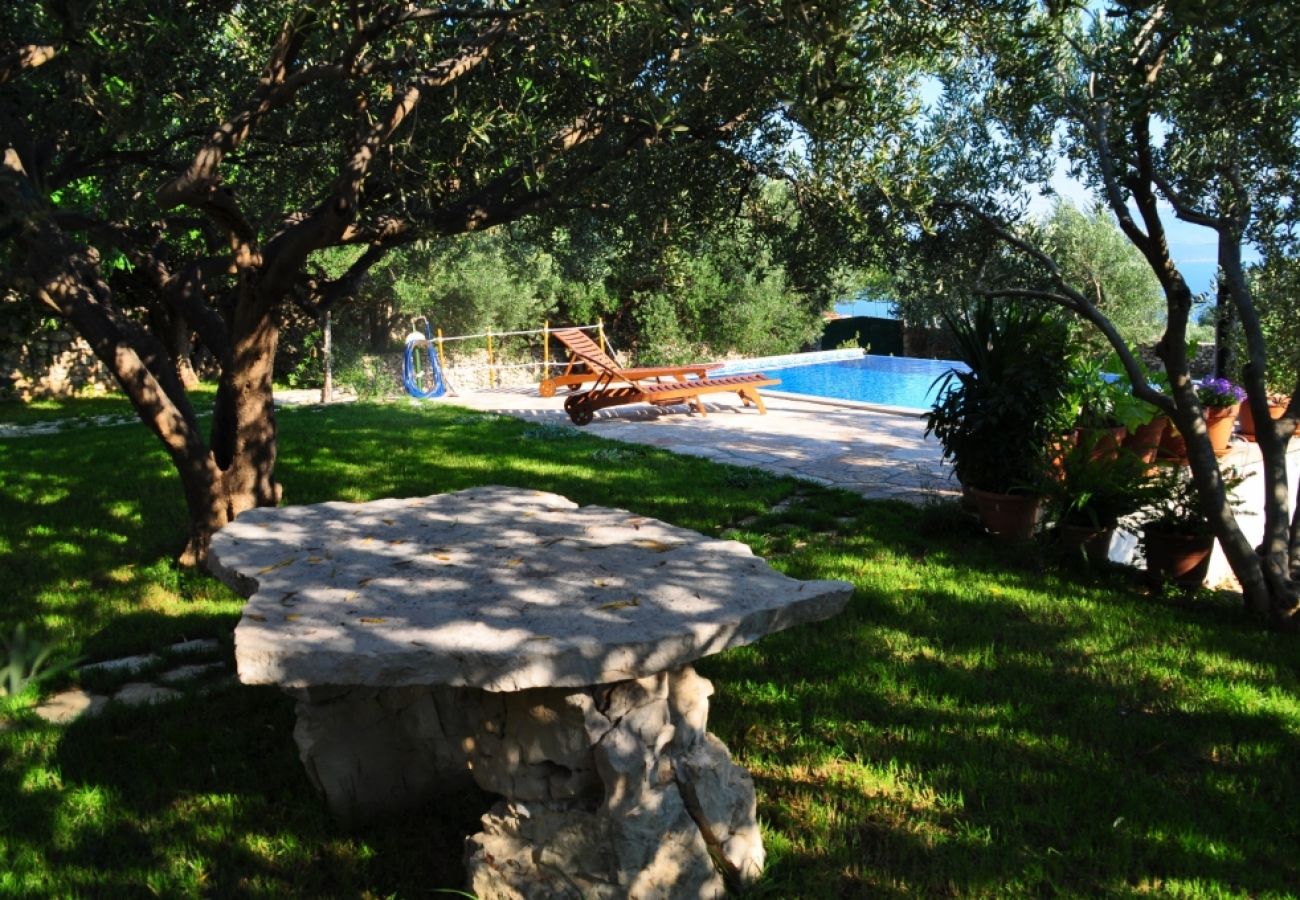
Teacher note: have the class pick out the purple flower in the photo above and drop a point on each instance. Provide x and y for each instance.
(1219, 392)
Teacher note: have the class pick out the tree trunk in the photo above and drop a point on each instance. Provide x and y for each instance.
(221, 478)
(241, 471)
(1223, 325)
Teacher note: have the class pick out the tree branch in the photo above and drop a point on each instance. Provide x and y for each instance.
(1079, 303)
(286, 251)
(24, 59)
(275, 88)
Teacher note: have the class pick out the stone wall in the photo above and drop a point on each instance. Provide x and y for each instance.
(49, 364)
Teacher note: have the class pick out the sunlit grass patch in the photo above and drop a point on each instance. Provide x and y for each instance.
(978, 722)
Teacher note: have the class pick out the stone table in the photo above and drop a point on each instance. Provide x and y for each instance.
(541, 648)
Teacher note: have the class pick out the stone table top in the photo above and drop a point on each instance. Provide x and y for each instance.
(497, 588)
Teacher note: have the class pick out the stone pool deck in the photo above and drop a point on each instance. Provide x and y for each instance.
(879, 455)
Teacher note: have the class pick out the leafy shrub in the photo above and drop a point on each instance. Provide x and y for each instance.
(26, 662)
(997, 421)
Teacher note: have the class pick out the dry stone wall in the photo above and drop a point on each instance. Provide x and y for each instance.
(49, 364)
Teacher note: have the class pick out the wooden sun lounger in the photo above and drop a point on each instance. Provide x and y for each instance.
(579, 372)
(614, 387)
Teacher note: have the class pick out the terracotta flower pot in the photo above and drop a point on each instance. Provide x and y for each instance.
(1105, 441)
(1057, 453)
(1009, 517)
(1219, 421)
(1173, 448)
(1178, 558)
(1093, 541)
(1145, 441)
(1246, 419)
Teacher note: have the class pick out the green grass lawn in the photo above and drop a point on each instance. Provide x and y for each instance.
(979, 722)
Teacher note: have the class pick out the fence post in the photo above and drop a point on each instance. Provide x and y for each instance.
(491, 373)
(600, 330)
(442, 363)
(546, 348)
(327, 357)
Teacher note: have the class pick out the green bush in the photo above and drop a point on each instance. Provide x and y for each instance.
(998, 420)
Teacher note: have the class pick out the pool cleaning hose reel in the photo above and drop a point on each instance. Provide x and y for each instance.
(413, 370)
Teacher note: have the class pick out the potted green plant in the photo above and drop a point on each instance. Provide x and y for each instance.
(1094, 491)
(1176, 538)
(1093, 398)
(1144, 424)
(998, 417)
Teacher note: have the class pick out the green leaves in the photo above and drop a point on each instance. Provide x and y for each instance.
(26, 662)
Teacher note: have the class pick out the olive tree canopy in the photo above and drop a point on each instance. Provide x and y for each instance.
(175, 170)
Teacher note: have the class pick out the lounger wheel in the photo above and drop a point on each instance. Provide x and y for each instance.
(581, 417)
(546, 388)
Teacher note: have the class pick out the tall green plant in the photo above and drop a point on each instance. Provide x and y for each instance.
(999, 419)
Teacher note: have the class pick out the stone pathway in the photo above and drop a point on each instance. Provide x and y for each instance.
(877, 454)
(186, 665)
(303, 397)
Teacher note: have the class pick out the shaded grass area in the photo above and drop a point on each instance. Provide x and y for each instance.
(979, 722)
(85, 410)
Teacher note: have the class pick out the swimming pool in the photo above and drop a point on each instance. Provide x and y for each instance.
(876, 380)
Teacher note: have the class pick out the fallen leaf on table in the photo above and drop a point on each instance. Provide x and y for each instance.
(280, 565)
(655, 546)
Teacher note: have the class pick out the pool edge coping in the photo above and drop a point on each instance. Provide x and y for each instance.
(904, 411)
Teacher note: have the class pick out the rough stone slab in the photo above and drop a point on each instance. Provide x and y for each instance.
(127, 664)
(66, 706)
(181, 674)
(377, 752)
(497, 588)
(198, 645)
(638, 828)
(142, 693)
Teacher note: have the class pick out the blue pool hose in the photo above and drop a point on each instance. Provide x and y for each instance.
(411, 377)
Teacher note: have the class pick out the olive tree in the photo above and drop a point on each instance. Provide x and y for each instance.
(1186, 111)
(188, 163)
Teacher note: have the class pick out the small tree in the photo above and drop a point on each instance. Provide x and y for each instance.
(1095, 256)
(1189, 110)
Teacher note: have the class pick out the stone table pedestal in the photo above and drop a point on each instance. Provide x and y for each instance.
(543, 650)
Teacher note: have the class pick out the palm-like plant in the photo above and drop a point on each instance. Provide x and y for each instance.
(998, 419)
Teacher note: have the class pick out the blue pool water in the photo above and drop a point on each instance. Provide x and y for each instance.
(883, 380)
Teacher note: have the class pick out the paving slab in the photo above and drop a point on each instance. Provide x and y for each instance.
(198, 645)
(127, 664)
(69, 705)
(144, 693)
(829, 445)
(182, 674)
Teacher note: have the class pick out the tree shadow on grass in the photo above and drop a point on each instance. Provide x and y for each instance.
(219, 804)
(1041, 770)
